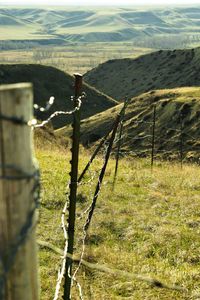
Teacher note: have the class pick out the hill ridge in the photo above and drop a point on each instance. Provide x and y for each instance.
(161, 69)
(102, 25)
(49, 81)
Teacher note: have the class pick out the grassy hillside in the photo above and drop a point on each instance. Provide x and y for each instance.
(158, 70)
(47, 82)
(99, 24)
(171, 106)
(154, 232)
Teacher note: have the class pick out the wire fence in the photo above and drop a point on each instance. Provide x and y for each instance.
(109, 144)
(149, 139)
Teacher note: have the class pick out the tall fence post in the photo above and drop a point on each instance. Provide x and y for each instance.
(119, 143)
(153, 136)
(102, 173)
(73, 188)
(19, 191)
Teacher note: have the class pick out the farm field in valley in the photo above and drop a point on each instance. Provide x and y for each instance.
(149, 226)
(79, 57)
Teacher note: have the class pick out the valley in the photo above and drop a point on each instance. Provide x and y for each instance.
(143, 240)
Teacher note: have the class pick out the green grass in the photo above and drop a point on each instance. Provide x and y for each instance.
(148, 226)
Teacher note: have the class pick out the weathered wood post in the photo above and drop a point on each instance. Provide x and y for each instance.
(73, 187)
(18, 195)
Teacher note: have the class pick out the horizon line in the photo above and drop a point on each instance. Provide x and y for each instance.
(99, 5)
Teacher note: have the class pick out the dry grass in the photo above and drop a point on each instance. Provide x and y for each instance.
(150, 226)
(78, 57)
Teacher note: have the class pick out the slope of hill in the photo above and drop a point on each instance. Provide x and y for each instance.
(157, 70)
(173, 107)
(49, 81)
(99, 24)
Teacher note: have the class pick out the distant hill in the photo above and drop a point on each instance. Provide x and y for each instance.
(172, 106)
(102, 24)
(157, 70)
(49, 81)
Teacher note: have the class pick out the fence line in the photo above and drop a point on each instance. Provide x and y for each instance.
(73, 188)
(90, 210)
(8, 173)
(11, 172)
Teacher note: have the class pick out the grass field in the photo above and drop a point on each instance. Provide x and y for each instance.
(148, 226)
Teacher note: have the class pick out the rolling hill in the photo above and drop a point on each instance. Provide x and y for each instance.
(173, 107)
(49, 81)
(98, 24)
(157, 70)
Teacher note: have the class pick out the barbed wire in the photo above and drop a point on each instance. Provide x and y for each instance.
(34, 123)
(36, 191)
(84, 233)
(13, 119)
(61, 271)
(97, 191)
(58, 113)
(21, 175)
(90, 209)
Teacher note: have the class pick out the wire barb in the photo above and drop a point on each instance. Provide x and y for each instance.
(13, 119)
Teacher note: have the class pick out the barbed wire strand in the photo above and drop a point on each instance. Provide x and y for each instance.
(58, 113)
(61, 271)
(84, 230)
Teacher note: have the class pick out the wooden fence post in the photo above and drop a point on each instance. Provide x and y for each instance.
(73, 188)
(18, 252)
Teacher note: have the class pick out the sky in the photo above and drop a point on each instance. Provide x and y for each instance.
(99, 2)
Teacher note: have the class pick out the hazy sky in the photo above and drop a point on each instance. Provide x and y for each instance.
(99, 2)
